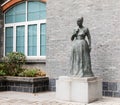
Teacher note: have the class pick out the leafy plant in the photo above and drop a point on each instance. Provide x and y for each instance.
(32, 73)
(13, 63)
(2, 73)
(1, 65)
(28, 73)
(2, 70)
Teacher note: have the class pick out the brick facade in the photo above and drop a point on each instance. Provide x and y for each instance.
(1, 34)
(102, 17)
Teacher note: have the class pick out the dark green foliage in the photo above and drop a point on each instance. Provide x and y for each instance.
(29, 73)
(2, 73)
(2, 70)
(13, 63)
(12, 66)
(32, 73)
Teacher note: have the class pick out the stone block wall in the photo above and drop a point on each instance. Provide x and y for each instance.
(24, 84)
(52, 84)
(1, 34)
(111, 89)
(102, 17)
(2, 84)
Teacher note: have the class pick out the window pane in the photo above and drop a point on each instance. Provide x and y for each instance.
(36, 11)
(42, 10)
(43, 39)
(32, 40)
(9, 16)
(16, 14)
(8, 40)
(20, 38)
(20, 18)
(20, 11)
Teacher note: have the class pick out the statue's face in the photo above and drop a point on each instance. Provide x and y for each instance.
(80, 22)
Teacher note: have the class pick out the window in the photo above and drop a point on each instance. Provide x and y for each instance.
(25, 29)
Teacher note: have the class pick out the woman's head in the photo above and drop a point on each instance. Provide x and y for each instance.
(80, 21)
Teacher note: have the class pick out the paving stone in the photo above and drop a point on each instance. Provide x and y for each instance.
(46, 98)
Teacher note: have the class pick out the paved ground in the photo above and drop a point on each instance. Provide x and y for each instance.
(46, 98)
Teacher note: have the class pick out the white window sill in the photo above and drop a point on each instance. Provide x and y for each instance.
(36, 59)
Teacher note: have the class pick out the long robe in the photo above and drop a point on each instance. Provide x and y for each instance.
(80, 57)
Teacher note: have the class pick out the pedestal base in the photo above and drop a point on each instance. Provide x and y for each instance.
(84, 90)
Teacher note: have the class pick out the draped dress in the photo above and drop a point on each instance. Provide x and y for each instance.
(80, 56)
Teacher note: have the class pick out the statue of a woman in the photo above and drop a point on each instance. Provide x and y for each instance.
(80, 55)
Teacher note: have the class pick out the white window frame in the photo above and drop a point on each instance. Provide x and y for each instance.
(26, 24)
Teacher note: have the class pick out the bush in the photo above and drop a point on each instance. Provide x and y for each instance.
(28, 73)
(13, 63)
(32, 73)
(2, 70)
(2, 73)
(12, 66)
(2, 66)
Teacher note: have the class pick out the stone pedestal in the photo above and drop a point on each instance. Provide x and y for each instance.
(83, 90)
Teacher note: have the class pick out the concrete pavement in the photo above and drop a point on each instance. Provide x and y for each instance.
(46, 98)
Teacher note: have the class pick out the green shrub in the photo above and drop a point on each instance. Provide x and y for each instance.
(2, 70)
(13, 63)
(2, 73)
(32, 73)
(28, 73)
(1, 66)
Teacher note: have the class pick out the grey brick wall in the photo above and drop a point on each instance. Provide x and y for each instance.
(1, 34)
(102, 17)
(37, 65)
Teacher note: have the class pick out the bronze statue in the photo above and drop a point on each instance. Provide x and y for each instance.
(80, 55)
